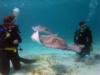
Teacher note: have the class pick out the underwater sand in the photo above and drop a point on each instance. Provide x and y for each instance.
(55, 62)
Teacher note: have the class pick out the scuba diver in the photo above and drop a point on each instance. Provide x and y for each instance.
(9, 42)
(83, 38)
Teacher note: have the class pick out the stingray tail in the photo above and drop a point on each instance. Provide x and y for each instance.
(73, 48)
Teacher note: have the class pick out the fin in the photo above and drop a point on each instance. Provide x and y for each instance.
(27, 61)
(35, 37)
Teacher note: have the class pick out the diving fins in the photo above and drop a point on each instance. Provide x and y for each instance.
(27, 61)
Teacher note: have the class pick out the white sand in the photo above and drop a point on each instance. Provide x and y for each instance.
(56, 62)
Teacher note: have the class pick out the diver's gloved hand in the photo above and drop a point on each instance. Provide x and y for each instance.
(81, 46)
(15, 42)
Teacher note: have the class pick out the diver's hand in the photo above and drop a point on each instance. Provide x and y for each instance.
(81, 46)
(15, 42)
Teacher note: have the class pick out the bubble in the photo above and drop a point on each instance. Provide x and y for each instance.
(92, 8)
(16, 11)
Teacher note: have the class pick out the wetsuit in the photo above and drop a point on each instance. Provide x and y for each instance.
(84, 37)
(8, 50)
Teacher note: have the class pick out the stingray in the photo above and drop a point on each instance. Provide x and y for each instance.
(51, 40)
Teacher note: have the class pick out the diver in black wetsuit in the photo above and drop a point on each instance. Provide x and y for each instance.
(83, 38)
(9, 42)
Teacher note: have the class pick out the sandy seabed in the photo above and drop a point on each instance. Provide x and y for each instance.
(57, 63)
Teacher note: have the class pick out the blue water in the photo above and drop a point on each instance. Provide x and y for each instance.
(60, 16)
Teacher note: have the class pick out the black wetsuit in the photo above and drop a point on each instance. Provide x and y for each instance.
(84, 37)
(7, 55)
